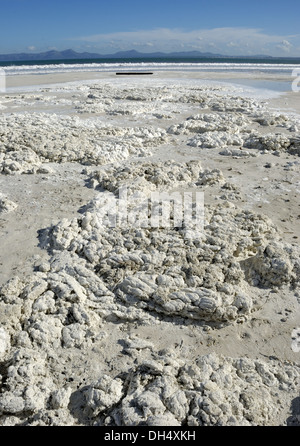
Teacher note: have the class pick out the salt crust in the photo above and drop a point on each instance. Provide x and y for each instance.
(4, 342)
(29, 140)
(222, 130)
(210, 391)
(161, 390)
(148, 176)
(97, 274)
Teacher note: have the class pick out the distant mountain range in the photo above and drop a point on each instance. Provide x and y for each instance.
(132, 54)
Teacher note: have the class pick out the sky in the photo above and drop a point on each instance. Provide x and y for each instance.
(229, 27)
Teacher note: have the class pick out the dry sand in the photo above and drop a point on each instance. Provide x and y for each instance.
(92, 332)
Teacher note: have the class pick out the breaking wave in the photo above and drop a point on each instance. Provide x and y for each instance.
(158, 66)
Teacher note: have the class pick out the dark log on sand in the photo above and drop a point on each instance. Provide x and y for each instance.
(132, 73)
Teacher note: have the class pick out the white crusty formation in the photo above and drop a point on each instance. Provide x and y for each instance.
(274, 142)
(81, 336)
(149, 176)
(211, 391)
(101, 274)
(162, 390)
(6, 205)
(28, 140)
(212, 122)
(207, 279)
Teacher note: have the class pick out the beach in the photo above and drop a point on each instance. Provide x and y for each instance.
(107, 320)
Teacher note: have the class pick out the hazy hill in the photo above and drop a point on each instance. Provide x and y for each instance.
(132, 54)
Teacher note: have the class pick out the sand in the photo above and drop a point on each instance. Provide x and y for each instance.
(134, 326)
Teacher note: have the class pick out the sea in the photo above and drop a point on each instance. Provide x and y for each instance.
(259, 67)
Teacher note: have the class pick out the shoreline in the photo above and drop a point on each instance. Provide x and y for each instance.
(285, 100)
(25, 80)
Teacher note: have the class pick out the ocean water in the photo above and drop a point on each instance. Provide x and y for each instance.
(274, 66)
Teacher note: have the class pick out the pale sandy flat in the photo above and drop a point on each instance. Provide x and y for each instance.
(267, 183)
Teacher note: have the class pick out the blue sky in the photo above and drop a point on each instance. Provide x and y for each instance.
(229, 27)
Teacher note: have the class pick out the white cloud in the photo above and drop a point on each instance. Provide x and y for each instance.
(231, 41)
(285, 45)
(232, 44)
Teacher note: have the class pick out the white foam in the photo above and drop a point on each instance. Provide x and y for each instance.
(158, 66)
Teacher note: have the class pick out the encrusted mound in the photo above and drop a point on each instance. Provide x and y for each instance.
(210, 278)
(277, 142)
(212, 122)
(215, 139)
(6, 205)
(28, 140)
(162, 390)
(140, 274)
(220, 130)
(149, 176)
(210, 391)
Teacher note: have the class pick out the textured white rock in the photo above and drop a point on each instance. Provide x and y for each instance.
(29, 140)
(211, 391)
(4, 342)
(102, 395)
(274, 265)
(6, 205)
(215, 140)
(28, 383)
(295, 344)
(149, 176)
(269, 142)
(168, 274)
(60, 398)
(225, 124)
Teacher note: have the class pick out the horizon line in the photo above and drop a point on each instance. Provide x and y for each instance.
(204, 54)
